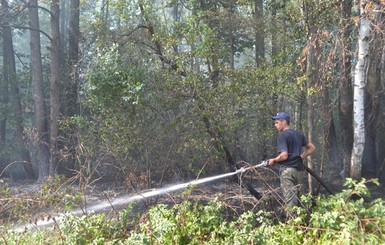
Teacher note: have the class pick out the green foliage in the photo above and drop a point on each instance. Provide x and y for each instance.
(185, 223)
(97, 228)
(86, 229)
(6, 195)
(80, 230)
(335, 219)
(111, 83)
(13, 207)
(55, 192)
(169, 84)
(343, 218)
(163, 93)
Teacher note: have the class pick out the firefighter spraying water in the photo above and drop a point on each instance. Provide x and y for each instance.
(123, 200)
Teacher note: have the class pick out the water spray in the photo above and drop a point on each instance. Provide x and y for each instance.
(43, 223)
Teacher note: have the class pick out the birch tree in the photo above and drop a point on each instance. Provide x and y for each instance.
(360, 79)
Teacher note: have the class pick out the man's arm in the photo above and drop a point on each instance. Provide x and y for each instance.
(309, 150)
(281, 157)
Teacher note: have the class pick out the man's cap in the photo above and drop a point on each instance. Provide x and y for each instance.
(282, 115)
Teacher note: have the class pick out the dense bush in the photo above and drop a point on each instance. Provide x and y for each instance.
(344, 218)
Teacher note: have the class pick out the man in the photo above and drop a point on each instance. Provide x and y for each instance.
(290, 158)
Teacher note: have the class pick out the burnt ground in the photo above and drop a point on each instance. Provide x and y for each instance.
(229, 190)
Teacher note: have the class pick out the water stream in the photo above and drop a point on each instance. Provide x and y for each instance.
(44, 223)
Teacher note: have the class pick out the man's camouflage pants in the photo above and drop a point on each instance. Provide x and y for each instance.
(291, 184)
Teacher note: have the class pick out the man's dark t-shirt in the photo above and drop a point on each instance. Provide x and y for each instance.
(291, 141)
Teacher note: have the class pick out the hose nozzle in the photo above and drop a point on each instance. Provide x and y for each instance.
(243, 169)
(262, 164)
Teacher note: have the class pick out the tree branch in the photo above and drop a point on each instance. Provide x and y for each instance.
(158, 47)
(31, 29)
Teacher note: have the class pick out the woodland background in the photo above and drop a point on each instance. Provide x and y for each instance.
(149, 91)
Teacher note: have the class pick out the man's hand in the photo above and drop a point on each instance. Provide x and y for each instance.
(309, 150)
(271, 162)
(281, 157)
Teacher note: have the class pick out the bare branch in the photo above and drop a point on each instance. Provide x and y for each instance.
(31, 29)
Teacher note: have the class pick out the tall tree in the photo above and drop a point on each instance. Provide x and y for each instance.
(63, 21)
(11, 78)
(312, 57)
(55, 83)
(360, 81)
(3, 110)
(71, 98)
(374, 91)
(273, 28)
(345, 90)
(330, 146)
(70, 104)
(4, 104)
(42, 137)
(260, 32)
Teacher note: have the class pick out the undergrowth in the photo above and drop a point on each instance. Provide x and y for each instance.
(344, 218)
(53, 194)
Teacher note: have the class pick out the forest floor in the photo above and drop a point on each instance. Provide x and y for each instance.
(228, 190)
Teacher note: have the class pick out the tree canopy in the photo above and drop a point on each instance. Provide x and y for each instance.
(159, 90)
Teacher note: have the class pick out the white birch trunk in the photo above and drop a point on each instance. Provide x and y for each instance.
(360, 80)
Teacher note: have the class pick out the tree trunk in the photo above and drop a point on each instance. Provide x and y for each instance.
(273, 33)
(70, 104)
(42, 139)
(360, 80)
(3, 109)
(63, 22)
(310, 83)
(4, 100)
(345, 90)
(10, 77)
(72, 107)
(330, 147)
(55, 83)
(381, 124)
(312, 74)
(259, 33)
(373, 94)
